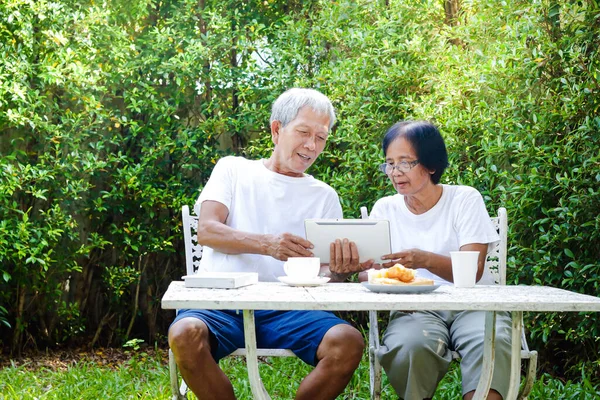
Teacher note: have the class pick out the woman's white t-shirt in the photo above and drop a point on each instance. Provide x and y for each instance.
(264, 202)
(458, 218)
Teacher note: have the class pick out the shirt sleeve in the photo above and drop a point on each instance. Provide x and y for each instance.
(473, 223)
(377, 212)
(333, 208)
(220, 185)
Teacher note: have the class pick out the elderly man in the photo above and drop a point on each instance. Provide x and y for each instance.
(252, 219)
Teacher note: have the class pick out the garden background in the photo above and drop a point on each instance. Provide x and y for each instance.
(113, 113)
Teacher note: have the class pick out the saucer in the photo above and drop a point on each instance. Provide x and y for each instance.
(318, 281)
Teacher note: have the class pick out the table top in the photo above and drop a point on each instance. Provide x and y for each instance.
(354, 296)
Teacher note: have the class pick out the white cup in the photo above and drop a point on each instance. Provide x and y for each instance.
(302, 267)
(464, 268)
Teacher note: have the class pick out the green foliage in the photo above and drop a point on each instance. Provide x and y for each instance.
(70, 322)
(112, 116)
(118, 280)
(101, 145)
(3, 319)
(133, 344)
(526, 136)
(517, 100)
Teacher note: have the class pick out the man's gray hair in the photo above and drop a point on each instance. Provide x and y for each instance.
(287, 105)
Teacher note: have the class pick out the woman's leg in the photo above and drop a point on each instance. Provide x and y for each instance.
(467, 335)
(415, 353)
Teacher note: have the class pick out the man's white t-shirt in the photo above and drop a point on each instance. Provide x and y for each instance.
(264, 202)
(458, 218)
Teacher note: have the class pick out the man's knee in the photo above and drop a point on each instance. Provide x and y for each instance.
(344, 344)
(189, 336)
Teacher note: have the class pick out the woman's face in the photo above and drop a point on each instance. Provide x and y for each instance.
(414, 181)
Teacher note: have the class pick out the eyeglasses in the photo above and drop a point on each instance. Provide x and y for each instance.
(402, 166)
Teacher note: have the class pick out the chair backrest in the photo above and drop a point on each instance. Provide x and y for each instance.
(193, 251)
(495, 259)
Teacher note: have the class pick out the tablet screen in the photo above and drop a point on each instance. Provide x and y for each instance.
(372, 236)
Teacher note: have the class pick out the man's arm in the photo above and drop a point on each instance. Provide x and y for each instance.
(214, 233)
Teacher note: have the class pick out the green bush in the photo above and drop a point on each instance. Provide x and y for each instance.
(517, 101)
(101, 147)
(113, 116)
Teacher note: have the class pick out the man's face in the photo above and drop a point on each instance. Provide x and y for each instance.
(298, 144)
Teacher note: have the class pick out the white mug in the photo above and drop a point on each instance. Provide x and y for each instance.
(464, 267)
(302, 267)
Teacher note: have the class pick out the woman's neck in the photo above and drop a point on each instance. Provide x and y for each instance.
(425, 200)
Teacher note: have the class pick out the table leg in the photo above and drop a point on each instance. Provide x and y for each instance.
(258, 390)
(515, 356)
(374, 366)
(487, 369)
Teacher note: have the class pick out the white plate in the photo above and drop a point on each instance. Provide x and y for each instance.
(400, 288)
(320, 280)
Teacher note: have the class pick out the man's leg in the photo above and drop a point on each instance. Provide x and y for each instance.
(318, 338)
(190, 341)
(339, 354)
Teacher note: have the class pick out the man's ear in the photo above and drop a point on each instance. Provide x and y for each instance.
(275, 128)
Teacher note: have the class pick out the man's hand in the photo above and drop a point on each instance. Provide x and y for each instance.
(412, 258)
(344, 258)
(286, 245)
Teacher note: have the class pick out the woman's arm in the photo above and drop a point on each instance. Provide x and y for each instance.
(435, 263)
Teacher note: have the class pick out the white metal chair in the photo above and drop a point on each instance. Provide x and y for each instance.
(496, 262)
(193, 254)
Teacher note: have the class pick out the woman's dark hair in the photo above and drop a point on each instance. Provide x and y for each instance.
(427, 141)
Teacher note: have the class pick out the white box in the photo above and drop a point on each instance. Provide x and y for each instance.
(220, 280)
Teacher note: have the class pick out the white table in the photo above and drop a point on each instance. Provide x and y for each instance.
(355, 297)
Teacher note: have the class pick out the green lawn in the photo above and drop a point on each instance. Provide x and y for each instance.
(146, 377)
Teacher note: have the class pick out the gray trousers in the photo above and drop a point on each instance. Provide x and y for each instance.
(417, 350)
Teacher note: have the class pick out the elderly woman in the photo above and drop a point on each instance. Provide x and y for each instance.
(428, 220)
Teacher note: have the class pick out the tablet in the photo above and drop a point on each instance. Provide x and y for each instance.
(372, 236)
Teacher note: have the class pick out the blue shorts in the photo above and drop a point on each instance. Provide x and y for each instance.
(298, 331)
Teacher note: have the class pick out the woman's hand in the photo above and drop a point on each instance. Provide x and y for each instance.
(412, 258)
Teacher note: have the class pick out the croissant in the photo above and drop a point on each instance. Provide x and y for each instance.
(397, 275)
(400, 273)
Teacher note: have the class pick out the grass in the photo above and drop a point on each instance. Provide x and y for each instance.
(144, 376)
(139, 377)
